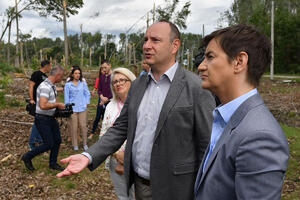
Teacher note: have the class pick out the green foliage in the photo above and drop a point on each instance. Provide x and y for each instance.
(171, 13)
(2, 100)
(35, 64)
(6, 68)
(293, 171)
(4, 82)
(14, 103)
(286, 25)
(54, 7)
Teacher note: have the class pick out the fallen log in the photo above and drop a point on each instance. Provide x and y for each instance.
(16, 122)
(6, 158)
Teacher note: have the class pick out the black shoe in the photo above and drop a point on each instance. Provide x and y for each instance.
(28, 163)
(56, 167)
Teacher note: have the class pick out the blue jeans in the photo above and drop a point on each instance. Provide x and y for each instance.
(49, 129)
(99, 115)
(35, 137)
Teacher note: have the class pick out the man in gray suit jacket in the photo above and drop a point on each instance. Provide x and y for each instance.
(248, 153)
(166, 120)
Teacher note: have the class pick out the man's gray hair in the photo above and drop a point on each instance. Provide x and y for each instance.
(56, 70)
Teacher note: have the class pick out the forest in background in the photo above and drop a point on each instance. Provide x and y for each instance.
(88, 49)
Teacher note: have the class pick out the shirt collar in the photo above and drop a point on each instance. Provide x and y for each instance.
(227, 110)
(170, 73)
(49, 82)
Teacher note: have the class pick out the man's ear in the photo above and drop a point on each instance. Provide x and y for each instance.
(176, 45)
(240, 62)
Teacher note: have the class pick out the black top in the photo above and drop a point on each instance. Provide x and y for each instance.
(37, 77)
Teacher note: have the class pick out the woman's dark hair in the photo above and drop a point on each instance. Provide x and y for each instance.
(245, 38)
(75, 67)
(99, 73)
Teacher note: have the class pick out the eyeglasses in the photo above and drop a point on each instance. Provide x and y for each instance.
(122, 81)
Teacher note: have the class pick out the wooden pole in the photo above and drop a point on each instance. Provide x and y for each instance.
(81, 45)
(8, 44)
(129, 54)
(21, 52)
(91, 51)
(65, 32)
(147, 20)
(134, 57)
(41, 55)
(17, 45)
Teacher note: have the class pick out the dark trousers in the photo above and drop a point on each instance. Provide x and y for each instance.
(35, 137)
(49, 129)
(142, 188)
(99, 115)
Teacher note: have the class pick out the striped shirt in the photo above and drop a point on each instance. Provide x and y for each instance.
(48, 90)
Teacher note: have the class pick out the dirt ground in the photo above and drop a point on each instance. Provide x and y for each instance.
(283, 99)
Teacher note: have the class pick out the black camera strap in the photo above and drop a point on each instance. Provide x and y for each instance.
(53, 88)
(55, 94)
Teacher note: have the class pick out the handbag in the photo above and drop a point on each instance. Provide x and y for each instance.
(30, 108)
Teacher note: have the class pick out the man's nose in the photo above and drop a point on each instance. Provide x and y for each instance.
(147, 44)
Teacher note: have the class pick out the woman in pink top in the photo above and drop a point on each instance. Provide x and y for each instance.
(100, 108)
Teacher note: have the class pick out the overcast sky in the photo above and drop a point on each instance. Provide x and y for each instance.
(116, 16)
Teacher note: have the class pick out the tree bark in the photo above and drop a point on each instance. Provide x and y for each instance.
(26, 55)
(134, 57)
(91, 56)
(17, 45)
(129, 53)
(65, 33)
(105, 48)
(10, 19)
(8, 44)
(81, 45)
(22, 56)
(41, 55)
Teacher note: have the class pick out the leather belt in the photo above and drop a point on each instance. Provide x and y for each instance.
(143, 180)
(41, 115)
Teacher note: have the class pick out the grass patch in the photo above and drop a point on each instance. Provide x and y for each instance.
(285, 90)
(292, 182)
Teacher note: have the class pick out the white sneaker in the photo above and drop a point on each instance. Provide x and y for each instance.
(85, 147)
(75, 148)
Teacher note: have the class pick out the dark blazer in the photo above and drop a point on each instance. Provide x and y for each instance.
(181, 136)
(249, 160)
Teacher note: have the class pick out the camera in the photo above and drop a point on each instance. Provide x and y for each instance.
(64, 113)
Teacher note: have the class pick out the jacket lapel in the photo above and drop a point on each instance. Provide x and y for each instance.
(199, 174)
(234, 121)
(138, 96)
(172, 96)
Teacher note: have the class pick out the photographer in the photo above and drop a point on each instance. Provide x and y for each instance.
(36, 79)
(45, 122)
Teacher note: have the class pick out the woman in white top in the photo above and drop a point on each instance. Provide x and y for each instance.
(121, 79)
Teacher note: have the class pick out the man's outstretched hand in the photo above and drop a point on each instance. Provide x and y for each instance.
(76, 164)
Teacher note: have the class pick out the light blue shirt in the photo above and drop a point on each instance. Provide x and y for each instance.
(222, 115)
(147, 118)
(80, 95)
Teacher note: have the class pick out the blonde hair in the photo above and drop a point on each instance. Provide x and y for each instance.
(120, 70)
